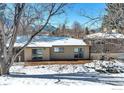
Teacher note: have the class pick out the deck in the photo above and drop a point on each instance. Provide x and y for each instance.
(30, 63)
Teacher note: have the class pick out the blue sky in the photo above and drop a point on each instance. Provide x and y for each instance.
(73, 13)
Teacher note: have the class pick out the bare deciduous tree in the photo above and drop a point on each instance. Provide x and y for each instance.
(76, 26)
(14, 16)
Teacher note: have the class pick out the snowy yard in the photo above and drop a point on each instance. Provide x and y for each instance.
(63, 75)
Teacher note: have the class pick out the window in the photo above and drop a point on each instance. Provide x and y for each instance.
(37, 54)
(37, 51)
(78, 55)
(76, 50)
(58, 49)
(75, 55)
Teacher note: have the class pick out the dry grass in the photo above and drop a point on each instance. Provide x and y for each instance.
(56, 62)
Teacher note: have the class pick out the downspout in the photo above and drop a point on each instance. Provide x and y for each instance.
(89, 52)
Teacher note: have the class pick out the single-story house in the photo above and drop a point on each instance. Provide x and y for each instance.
(52, 48)
(103, 44)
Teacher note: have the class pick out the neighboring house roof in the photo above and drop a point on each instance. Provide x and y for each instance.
(48, 41)
(101, 35)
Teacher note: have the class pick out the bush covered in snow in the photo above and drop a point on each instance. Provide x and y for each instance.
(113, 66)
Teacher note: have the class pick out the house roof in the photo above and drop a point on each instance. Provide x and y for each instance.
(100, 35)
(48, 41)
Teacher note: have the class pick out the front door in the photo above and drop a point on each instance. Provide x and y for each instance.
(78, 53)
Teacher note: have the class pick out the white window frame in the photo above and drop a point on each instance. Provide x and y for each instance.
(58, 49)
(77, 50)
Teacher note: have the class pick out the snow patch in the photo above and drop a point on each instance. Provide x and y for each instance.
(63, 75)
(105, 35)
(48, 41)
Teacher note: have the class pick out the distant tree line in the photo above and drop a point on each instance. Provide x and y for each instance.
(75, 31)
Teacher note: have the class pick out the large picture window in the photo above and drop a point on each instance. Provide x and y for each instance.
(37, 54)
(58, 49)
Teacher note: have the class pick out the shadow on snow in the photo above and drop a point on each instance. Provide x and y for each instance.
(91, 77)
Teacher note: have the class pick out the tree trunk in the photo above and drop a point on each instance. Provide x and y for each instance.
(4, 70)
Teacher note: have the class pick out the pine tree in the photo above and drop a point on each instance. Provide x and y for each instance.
(114, 19)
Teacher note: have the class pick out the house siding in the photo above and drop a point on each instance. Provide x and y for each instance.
(46, 54)
(49, 54)
(28, 54)
(69, 52)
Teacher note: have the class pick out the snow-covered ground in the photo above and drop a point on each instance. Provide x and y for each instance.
(64, 78)
(63, 75)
